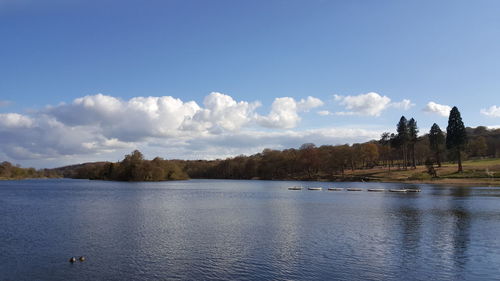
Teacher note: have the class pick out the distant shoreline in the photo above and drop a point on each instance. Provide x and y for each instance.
(439, 181)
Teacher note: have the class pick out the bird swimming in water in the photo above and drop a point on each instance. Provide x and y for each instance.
(72, 259)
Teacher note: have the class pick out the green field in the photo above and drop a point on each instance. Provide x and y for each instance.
(483, 171)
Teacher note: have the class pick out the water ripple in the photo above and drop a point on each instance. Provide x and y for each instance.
(245, 230)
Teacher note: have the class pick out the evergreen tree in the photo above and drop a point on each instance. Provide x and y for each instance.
(412, 139)
(403, 138)
(436, 142)
(456, 137)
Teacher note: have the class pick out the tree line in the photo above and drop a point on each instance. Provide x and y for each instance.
(132, 168)
(10, 171)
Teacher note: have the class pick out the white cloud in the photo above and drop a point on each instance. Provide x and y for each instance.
(284, 112)
(493, 111)
(14, 120)
(309, 103)
(405, 104)
(130, 120)
(142, 117)
(105, 125)
(440, 109)
(23, 137)
(221, 112)
(370, 104)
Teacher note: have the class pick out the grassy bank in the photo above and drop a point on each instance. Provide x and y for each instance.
(485, 171)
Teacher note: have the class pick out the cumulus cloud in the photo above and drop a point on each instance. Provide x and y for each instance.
(309, 103)
(14, 120)
(369, 104)
(130, 120)
(221, 112)
(493, 111)
(100, 124)
(284, 112)
(23, 137)
(440, 109)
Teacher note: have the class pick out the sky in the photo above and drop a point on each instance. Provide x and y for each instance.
(92, 80)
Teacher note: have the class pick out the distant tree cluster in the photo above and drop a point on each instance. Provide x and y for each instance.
(410, 146)
(132, 168)
(307, 162)
(9, 171)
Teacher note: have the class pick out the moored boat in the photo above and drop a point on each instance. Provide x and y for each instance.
(335, 189)
(376, 189)
(314, 188)
(295, 188)
(354, 189)
(398, 190)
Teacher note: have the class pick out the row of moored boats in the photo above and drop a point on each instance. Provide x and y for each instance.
(356, 189)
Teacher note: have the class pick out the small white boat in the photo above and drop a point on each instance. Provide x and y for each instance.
(398, 190)
(413, 190)
(295, 188)
(354, 189)
(376, 189)
(335, 189)
(315, 188)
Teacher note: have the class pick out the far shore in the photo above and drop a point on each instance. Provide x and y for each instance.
(482, 172)
(442, 181)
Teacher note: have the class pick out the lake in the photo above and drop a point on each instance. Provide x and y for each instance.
(246, 230)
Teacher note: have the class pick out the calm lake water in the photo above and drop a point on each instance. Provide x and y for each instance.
(246, 230)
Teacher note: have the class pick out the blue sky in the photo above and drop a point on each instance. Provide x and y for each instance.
(89, 80)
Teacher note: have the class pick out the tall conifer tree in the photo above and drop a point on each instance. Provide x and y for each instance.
(436, 142)
(402, 139)
(456, 137)
(412, 139)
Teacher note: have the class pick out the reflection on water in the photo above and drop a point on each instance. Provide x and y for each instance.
(246, 230)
